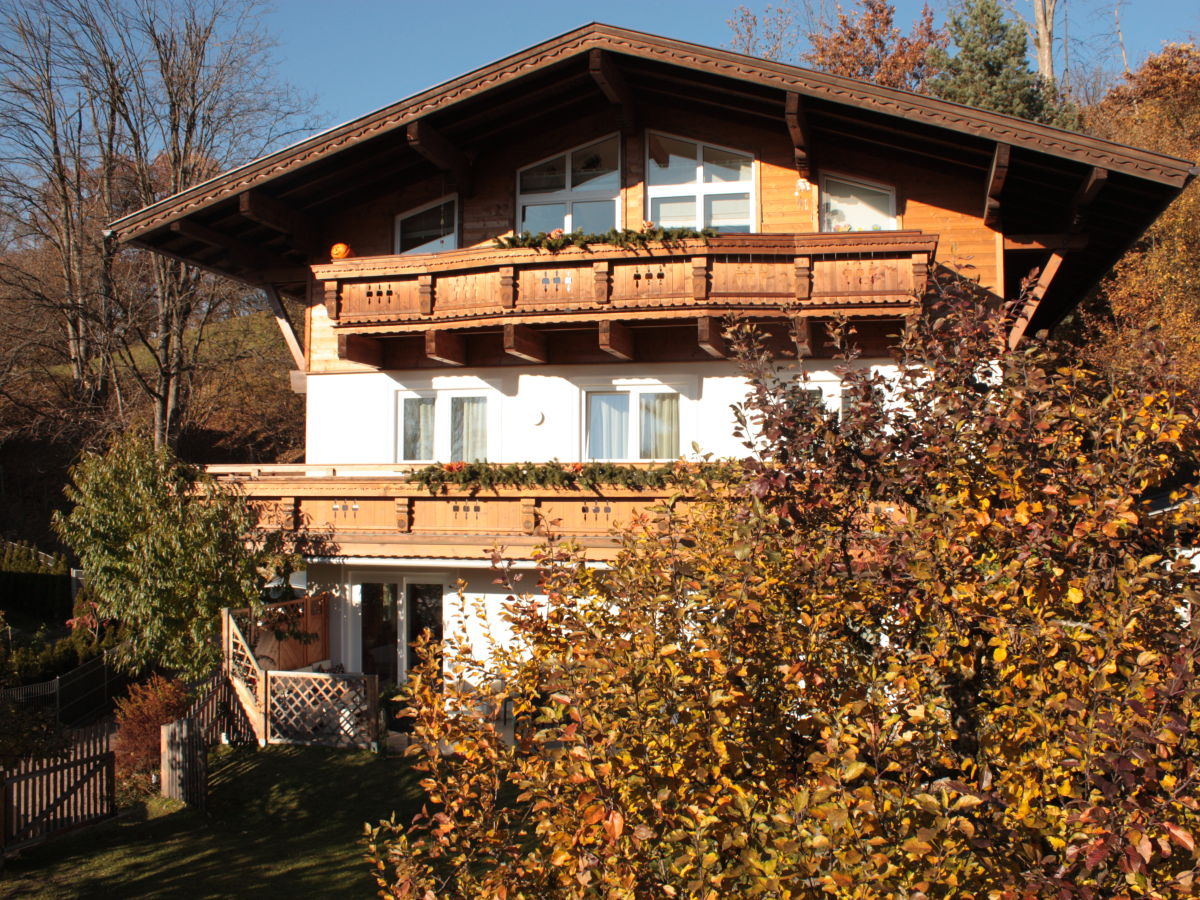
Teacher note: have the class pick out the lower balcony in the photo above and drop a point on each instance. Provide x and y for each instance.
(381, 511)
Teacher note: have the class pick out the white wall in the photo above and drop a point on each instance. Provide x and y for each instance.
(535, 415)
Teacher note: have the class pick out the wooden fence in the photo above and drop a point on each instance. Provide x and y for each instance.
(78, 696)
(335, 710)
(43, 797)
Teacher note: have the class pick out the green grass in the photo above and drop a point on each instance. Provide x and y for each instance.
(281, 822)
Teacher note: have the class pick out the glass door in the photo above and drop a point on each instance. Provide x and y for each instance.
(380, 629)
(422, 610)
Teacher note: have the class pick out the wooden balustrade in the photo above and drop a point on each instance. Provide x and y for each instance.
(830, 273)
(367, 510)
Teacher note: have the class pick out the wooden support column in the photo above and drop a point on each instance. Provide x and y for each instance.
(426, 291)
(524, 343)
(612, 85)
(803, 277)
(710, 338)
(616, 340)
(359, 349)
(332, 292)
(508, 287)
(1029, 307)
(797, 126)
(996, 179)
(529, 514)
(803, 337)
(446, 347)
(602, 281)
(403, 515)
(435, 147)
(920, 274)
(700, 280)
(285, 326)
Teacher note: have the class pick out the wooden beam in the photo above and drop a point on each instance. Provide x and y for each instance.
(612, 84)
(1031, 303)
(1086, 196)
(802, 334)
(433, 145)
(616, 339)
(446, 347)
(285, 326)
(995, 185)
(710, 338)
(524, 343)
(279, 216)
(244, 257)
(1045, 241)
(358, 349)
(797, 126)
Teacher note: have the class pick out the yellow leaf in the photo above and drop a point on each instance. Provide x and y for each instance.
(1000, 654)
(668, 650)
(1074, 595)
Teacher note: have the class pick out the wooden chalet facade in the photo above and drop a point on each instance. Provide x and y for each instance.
(432, 343)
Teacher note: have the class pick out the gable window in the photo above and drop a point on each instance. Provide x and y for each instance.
(632, 424)
(851, 205)
(693, 185)
(428, 229)
(576, 191)
(450, 426)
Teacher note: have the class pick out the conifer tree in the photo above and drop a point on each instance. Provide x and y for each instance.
(990, 67)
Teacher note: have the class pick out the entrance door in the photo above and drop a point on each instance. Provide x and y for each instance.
(380, 629)
(422, 610)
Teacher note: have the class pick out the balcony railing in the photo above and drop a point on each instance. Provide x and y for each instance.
(833, 273)
(367, 510)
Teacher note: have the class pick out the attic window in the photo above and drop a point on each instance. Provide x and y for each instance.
(430, 228)
(576, 190)
(852, 205)
(692, 185)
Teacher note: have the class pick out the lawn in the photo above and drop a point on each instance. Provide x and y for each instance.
(281, 822)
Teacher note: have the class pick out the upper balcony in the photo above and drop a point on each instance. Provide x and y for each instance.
(523, 291)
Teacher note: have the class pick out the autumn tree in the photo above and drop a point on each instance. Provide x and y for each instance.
(1157, 284)
(941, 646)
(868, 45)
(989, 67)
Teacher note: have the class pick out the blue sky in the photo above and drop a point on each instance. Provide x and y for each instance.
(358, 55)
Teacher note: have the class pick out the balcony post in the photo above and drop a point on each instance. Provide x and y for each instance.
(803, 277)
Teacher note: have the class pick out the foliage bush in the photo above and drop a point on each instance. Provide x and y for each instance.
(140, 717)
(625, 238)
(939, 647)
(477, 476)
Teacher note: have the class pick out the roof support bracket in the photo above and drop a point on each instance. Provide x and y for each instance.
(612, 84)
(710, 337)
(364, 350)
(1029, 306)
(265, 210)
(285, 326)
(797, 126)
(616, 339)
(524, 343)
(446, 347)
(995, 185)
(1086, 196)
(436, 147)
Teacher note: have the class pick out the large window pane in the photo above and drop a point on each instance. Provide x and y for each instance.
(847, 206)
(659, 426)
(607, 425)
(429, 230)
(672, 161)
(545, 177)
(727, 212)
(594, 168)
(543, 217)
(725, 165)
(468, 429)
(418, 428)
(673, 212)
(593, 216)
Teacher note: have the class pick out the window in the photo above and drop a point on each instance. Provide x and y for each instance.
(632, 424)
(576, 191)
(451, 426)
(428, 229)
(850, 205)
(692, 185)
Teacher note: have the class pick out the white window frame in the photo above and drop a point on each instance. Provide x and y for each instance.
(420, 209)
(351, 640)
(442, 438)
(888, 189)
(635, 388)
(568, 196)
(699, 189)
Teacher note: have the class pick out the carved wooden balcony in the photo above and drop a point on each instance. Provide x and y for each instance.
(873, 273)
(372, 510)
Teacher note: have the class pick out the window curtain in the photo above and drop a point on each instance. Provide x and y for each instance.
(418, 428)
(659, 426)
(468, 429)
(608, 425)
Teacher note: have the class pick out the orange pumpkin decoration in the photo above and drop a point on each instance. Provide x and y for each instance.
(340, 251)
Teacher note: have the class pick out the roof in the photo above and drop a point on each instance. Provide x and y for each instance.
(1046, 166)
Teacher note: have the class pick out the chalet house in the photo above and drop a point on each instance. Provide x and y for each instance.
(431, 342)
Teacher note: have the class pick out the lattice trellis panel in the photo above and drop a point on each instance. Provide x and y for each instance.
(242, 664)
(310, 708)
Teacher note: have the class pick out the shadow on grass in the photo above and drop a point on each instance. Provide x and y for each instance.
(282, 822)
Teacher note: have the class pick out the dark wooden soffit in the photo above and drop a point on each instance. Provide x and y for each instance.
(618, 42)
